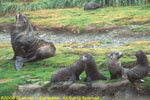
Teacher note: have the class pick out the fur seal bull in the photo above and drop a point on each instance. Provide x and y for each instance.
(114, 66)
(71, 73)
(92, 6)
(91, 71)
(26, 46)
(140, 70)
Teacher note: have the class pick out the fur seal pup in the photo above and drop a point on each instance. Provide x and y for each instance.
(71, 73)
(114, 66)
(26, 46)
(140, 70)
(91, 71)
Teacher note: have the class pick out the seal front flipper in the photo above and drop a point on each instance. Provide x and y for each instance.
(58, 83)
(139, 81)
(29, 59)
(72, 78)
(19, 62)
(89, 81)
(19, 65)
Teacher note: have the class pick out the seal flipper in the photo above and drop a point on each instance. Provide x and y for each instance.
(58, 83)
(139, 81)
(29, 59)
(89, 81)
(142, 81)
(72, 78)
(19, 62)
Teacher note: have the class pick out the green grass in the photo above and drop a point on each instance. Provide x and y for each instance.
(13, 5)
(44, 69)
(76, 19)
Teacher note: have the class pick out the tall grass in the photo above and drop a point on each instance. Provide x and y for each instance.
(1, 1)
(14, 5)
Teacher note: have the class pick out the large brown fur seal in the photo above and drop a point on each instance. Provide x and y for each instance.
(71, 73)
(114, 66)
(140, 70)
(91, 72)
(26, 46)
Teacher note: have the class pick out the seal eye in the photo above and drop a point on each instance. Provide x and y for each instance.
(85, 56)
(117, 53)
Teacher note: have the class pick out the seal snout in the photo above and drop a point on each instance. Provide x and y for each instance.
(84, 57)
(120, 54)
(20, 18)
(18, 15)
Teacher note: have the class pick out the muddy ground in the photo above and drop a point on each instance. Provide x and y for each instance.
(122, 90)
(115, 37)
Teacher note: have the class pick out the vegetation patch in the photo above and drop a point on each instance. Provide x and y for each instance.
(77, 20)
(21, 5)
(85, 44)
(42, 71)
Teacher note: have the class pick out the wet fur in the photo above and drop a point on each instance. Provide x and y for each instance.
(141, 69)
(71, 73)
(26, 46)
(91, 71)
(114, 66)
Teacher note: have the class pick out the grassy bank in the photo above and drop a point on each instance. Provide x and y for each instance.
(42, 70)
(30, 5)
(77, 20)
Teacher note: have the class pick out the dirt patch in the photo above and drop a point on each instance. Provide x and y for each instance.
(122, 90)
(88, 29)
(122, 19)
(121, 30)
(25, 76)
(117, 31)
(125, 32)
(110, 36)
(5, 80)
(5, 27)
(101, 29)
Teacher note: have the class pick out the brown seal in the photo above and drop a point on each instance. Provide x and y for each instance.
(114, 66)
(91, 71)
(26, 46)
(71, 73)
(140, 70)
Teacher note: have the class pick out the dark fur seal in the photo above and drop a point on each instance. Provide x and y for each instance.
(71, 73)
(114, 66)
(92, 6)
(140, 70)
(91, 72)
(26, 46)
